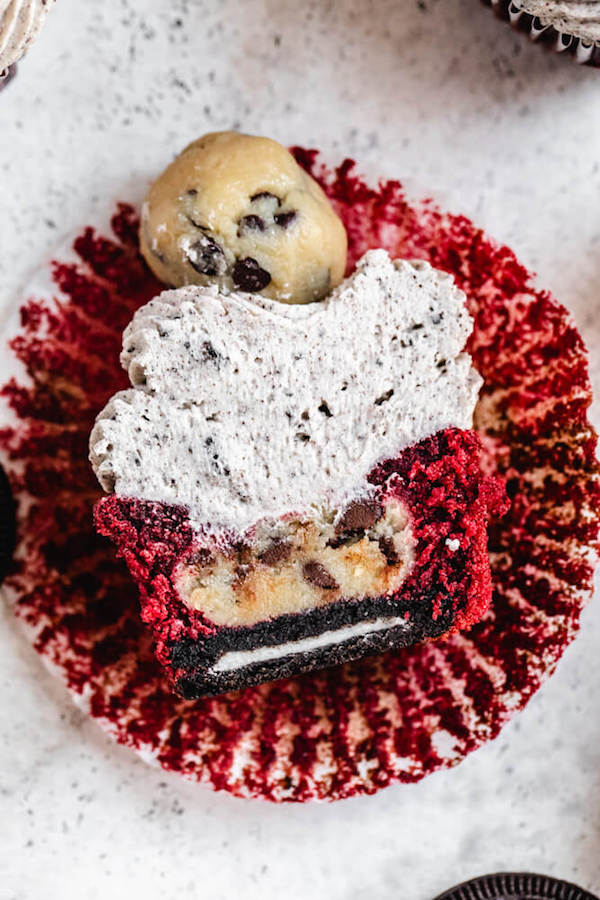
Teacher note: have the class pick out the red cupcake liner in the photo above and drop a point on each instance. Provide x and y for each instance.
(586, 53)
(349, 730)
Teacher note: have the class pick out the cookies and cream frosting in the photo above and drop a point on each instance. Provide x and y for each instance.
(578, 17)
(20, 23)
(243, 408)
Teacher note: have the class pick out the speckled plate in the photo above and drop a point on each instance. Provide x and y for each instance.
(342, 731)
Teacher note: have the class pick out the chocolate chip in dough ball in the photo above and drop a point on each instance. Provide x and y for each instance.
(239, 211)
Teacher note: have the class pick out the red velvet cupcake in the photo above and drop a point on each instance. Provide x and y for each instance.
(294, 485)
(295, 482)
(345, 730)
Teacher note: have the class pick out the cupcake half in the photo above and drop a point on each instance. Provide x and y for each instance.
(298, 486)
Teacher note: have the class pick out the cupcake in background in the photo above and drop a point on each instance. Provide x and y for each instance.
(565, 26)
(20, 24)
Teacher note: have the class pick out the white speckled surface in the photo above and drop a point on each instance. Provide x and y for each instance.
(438, 93)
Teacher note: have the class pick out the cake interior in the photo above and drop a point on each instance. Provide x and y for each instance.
(292, 565)
(431, 503)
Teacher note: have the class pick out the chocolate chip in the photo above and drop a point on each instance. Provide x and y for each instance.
(206, 256)
(323, 408)
(384, 397)
(318, 575)
(251, 223)
(248, 275)
(360, 514)
(386, 545)
(285, 219)
(275, 553)
(265, 195)
(192, 192)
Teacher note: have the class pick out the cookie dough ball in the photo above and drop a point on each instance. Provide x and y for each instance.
(239, 210)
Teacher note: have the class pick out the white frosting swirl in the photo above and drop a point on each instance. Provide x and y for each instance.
(244, 408)
(20, 23)
(580, 18)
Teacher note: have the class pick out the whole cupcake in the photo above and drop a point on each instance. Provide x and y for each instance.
(565, 26)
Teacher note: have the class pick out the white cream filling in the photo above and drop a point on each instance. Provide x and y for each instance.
(244, 408)
(237, 659)
(20, 22)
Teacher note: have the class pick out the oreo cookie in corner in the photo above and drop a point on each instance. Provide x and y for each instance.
(7, 525)
(516, 886)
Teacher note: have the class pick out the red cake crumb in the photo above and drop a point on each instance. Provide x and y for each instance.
(292, 740)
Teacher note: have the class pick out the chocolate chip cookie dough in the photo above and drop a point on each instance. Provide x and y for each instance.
(239, 211)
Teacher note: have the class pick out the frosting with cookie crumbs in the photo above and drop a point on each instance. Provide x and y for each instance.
(243, 408)
(20, 23)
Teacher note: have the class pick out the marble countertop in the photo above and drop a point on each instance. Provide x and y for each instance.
(435, 92)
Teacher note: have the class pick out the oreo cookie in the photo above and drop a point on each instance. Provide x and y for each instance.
(7, 525)
(516, 886)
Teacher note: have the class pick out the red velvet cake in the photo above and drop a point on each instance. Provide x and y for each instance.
(295, 485)
(448, 586)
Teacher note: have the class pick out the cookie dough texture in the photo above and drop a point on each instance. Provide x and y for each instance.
(20, 23)
(240, 212)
